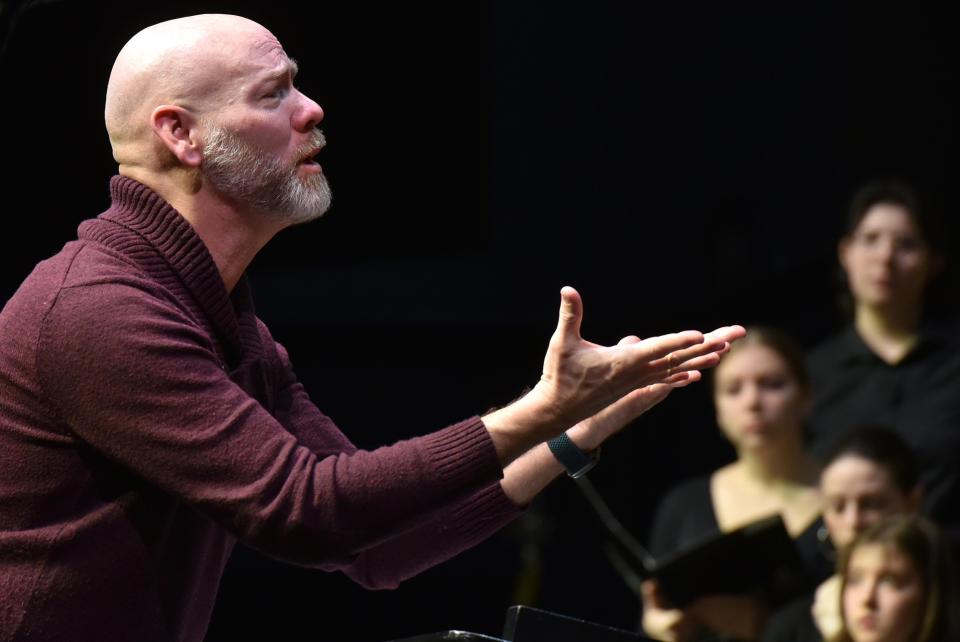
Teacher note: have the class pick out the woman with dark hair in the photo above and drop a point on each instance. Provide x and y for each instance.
(893, 365)
(899, 584)
(869, 475)
(761, 398)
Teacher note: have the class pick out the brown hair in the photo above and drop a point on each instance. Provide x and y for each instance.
(930, 551)
(892, 192)
(925, 220)
(778, 341)
(881, 446)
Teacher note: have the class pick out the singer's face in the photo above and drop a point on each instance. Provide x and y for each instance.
(886, 260)
(858, 493)
(758, 399)
(883, 595)
(259, 146)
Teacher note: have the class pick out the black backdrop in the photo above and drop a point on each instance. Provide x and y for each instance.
(682, 164)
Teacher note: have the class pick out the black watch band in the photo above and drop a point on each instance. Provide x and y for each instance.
(573, 459)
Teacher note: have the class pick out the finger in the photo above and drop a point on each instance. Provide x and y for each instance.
(628, 340)
(632, 405)
(675, 378)
(728, 333)
(702, 362)
(648, 587)
(656, 592)
(656, 348)
(650, 396)
(716, 342)
(683, 379)
(703, 355)
(571, 313)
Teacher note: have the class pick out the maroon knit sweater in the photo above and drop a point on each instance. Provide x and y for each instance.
(148, 420)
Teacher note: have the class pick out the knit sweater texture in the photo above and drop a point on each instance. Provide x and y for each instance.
(148, 421)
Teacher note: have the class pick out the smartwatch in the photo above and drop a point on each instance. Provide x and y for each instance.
(573, 459)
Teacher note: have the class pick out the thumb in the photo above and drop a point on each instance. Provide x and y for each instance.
(571, 313)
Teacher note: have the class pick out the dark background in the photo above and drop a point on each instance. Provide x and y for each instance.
(682, 164)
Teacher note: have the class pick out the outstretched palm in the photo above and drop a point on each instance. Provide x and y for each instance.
(581, 378)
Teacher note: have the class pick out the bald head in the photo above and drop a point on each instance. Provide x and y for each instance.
(192, 62)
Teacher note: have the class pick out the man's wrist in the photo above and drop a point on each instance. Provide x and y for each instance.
(585, 435)
(576, 462)
(519, 426)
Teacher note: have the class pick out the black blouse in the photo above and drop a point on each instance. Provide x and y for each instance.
(919, 398)
(686, 514)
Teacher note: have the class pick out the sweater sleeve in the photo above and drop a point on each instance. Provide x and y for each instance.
(464, 525)
(452, 529)
(132, 376)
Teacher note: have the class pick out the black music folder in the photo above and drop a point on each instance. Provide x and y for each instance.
(758, 555)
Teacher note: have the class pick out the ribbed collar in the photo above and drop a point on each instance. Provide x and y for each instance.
(166, 246)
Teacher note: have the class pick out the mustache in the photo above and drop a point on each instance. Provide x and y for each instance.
(312, 146)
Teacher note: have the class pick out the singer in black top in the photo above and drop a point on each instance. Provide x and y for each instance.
(894, 365)
(918, 397)
(761, 396)
(687, 514)
(870, 474)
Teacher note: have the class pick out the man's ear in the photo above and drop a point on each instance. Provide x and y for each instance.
(176, 128)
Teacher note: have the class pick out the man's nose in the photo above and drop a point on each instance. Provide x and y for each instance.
(308, 115)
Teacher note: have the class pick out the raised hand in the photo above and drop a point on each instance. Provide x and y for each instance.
(581, 378)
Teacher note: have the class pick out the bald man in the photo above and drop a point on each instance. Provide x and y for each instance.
(148, 420)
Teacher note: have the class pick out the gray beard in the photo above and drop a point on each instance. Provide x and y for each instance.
(243, 173)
